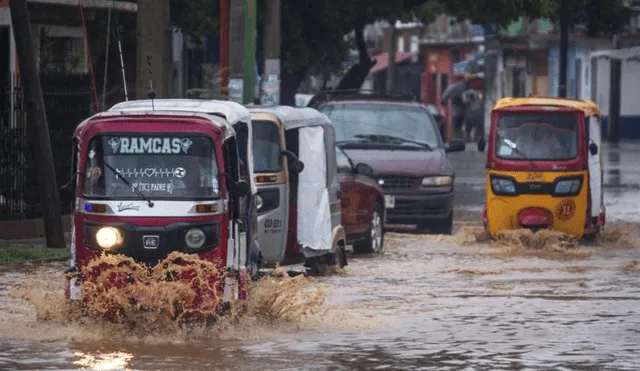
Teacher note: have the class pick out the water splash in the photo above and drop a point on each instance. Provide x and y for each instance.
(545, 244)
(152, 308)
(180, 287)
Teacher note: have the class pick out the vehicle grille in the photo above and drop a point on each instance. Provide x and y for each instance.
(414, 208)
(398, 182)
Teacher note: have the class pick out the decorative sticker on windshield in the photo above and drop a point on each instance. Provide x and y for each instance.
(147, 145)
(215, 185)
(150, 172)
(167, 187)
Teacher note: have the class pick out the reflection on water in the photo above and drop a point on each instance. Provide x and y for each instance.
(613, 164)
(430, 302)
(103, 361)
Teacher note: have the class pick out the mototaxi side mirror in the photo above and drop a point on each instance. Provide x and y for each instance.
(241, 188)
(593, 149)
(364, 169)
(482, 143)
(455, 145)
(297, 167)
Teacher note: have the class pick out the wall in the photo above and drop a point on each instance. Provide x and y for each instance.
(584, 87)
(629, 107)
(438, 61)
(554, 70)
(404, 33)
(494, 87)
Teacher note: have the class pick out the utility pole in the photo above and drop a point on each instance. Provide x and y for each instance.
(153, 66)
(224, 48)
(564, 49)
(391, 67)
(249, 81)
(270, 92)
(49, 197)
(614, 93)
(236, 50)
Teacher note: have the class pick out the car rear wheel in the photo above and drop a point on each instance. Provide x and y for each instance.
(374, 240)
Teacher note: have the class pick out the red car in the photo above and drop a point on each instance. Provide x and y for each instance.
(363, 207)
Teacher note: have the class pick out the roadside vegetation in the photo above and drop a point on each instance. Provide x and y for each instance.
(25, 253)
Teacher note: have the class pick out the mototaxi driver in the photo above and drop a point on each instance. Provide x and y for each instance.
(541, 143)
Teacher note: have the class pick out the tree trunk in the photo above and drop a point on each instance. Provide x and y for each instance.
(354, 78)
(391, 67)
(289, 86)
(49, 197)
(564, 49)
(153, 69)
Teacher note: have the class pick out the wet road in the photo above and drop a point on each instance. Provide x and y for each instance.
(429, 302)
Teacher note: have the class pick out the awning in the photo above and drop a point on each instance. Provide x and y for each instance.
(625, 54)
(473, 65)
(383, 60)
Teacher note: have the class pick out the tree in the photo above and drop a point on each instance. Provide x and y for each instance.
(196, 17)
(313, 34)
(49, 197)
(313, 31)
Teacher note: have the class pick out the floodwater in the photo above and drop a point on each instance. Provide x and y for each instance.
(428, 302)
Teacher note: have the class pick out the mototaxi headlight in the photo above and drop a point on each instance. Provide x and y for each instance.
(259, 202)
(568, 186)
(437, 181)
(195, 238)
(503, 186)
(108, 237)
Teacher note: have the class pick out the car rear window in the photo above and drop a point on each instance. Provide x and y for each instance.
(409, 122)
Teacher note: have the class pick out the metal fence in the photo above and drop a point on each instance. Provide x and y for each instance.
(67, 102)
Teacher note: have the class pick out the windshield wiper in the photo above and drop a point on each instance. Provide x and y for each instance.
(348, 141)
(391, 138)
(134, 188)
(518, 151)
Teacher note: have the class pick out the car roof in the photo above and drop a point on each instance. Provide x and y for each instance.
(587, 107)
(362, 95)
(369, 101)
(232, 111)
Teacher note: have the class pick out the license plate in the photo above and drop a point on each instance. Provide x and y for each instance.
(389, 201)
(150, 242)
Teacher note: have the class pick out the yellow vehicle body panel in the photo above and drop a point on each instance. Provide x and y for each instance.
(282, 176)
(569, 213)
(587, 107)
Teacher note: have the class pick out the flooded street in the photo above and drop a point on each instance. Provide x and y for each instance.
(428, 302)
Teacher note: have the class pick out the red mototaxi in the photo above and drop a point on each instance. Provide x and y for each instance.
(143, 212)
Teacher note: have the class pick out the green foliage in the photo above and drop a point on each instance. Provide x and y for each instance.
(486, 12)
(20, 253)
(196, 17)
(313, 30)
(598, 16)
(595, 15)
(312, 34)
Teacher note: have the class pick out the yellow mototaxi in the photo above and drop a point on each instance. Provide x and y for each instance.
(544, 169)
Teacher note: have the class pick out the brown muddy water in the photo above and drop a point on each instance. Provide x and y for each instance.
(428, 302)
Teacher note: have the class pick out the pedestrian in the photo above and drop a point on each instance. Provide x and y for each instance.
(457, 115)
